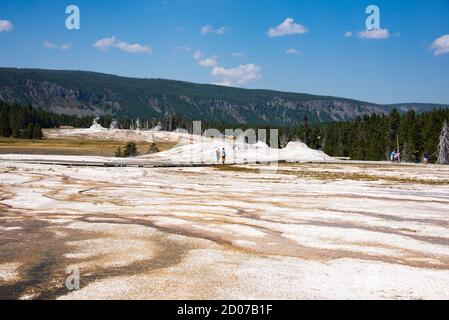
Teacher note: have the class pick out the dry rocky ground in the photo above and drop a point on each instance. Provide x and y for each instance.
(300, 232)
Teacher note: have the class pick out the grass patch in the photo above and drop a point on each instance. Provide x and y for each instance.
(73, 147)
(334, 176)
(234, 168)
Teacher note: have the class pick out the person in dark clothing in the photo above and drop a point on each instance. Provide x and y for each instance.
(426, 158)
(417, 157)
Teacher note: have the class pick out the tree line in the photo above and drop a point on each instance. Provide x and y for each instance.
(27, 122)
(374, 137)
(371, 137)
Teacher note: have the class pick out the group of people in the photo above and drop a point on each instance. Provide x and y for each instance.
(396, 157)
(425, 158)
(221, 155)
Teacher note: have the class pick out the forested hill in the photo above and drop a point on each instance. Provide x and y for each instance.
(87, 93)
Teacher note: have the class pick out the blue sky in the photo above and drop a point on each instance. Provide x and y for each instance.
(320, 49)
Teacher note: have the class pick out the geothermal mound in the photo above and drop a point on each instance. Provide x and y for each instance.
(205, 151)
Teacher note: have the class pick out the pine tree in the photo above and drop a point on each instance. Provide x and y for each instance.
(153, 149)
(16, 131)
(130, 150)
(443, 146)
(27, 133)
(304, 130)
(5, 130)
(118, 153)
(394, 126)
(37, 132)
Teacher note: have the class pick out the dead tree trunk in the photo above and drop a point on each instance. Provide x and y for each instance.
(443, 146)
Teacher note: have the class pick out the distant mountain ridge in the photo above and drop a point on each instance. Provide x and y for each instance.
(90, 93)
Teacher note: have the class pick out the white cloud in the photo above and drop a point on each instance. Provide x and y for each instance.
(197, 55)
(185, 48)
(209, 62)
(293, 52)
(133, 48)
(238, 76)
(239, 55)
(51, 45)
(348, 34)
(232, 77)
(441, 45)
(209, 29)
(376, 34)
(105, 43)
(66, 47)
(288, 27)
(5, 26)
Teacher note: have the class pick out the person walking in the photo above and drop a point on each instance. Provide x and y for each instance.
(417, 156)
(393, 156)
(223, 156)
(426, 158)
(218, 154)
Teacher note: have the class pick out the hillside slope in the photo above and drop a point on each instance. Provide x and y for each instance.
(89, 93)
